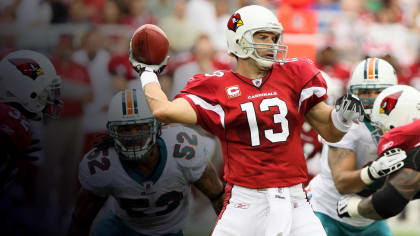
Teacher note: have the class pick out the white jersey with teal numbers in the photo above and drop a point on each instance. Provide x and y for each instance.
(158, 204)
(324, 194)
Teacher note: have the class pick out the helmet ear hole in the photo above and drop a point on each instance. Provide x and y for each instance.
(33, 95)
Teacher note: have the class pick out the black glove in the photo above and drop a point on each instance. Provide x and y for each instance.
(350, 108)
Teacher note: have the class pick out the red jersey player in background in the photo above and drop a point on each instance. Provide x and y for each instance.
(257, 112)
(29, 89)
(396, 109)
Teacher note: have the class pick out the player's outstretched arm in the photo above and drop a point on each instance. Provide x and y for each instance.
(387, 202)
(177, 111)
(331, 123)
(85, 211)
(211, 186)
(319, 117)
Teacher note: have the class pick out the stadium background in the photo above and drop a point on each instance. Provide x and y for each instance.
(88, 43)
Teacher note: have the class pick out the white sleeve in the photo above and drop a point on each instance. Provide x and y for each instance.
(349, 140)
(88, 180)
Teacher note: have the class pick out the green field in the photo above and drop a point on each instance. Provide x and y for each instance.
(407, 234)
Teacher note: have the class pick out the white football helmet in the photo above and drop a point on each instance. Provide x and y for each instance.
(28, 78)
(128, 108)
(371, 73)
(395, 106)
(240, 30)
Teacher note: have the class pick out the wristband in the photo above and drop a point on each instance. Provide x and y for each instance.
(338, 124)
(365, 176)
(148, 77)
(352, 206)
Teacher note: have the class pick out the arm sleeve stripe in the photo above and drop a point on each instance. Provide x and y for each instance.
(205, 105)
(309, 92)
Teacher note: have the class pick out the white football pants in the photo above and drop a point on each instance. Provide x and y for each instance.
(267, 212)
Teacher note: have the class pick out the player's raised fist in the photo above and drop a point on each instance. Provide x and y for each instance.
(348, 109)
(149, 49)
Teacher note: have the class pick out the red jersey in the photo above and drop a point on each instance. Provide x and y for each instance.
(120, 65)
(405, 137)
(73, 73)
(310, 142)
(311, 146)
(259, 121)
(15, 133)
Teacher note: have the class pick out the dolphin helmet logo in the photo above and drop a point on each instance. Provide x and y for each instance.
(389, 102)
(27, 67)
(235, 22)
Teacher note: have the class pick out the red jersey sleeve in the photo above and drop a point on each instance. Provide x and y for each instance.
(405, 137)
(310, 82)
(314, 92)
(384, 144)
(201, 92)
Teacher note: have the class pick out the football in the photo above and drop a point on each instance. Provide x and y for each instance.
(149, 44)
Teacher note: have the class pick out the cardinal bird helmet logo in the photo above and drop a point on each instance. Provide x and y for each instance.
(235, 22)
(27, 67)
(389, 102)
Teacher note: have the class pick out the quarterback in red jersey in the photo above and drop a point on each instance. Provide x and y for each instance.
(257, 112)
(396, 109)
(237, 109)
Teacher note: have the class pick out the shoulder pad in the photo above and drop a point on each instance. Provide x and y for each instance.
(189, 149)
(93, 171)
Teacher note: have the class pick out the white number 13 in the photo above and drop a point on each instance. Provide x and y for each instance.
(278, 118)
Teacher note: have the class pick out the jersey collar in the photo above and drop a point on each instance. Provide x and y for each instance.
(157, 171)
(249, 81)
(372, 129)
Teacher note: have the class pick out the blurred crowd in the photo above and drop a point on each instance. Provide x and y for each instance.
(88, 42)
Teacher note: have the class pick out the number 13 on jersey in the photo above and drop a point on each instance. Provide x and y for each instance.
(279, 119)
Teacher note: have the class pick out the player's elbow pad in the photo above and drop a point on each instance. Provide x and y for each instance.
(388, 202)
